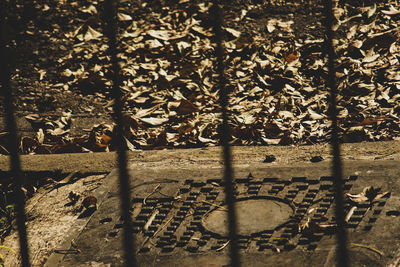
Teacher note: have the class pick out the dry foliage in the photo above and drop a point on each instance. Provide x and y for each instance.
(275, 68)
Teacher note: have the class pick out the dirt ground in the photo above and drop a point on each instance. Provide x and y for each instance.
(50, 216)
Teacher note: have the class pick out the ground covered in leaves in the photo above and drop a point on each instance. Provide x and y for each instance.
(274, 62)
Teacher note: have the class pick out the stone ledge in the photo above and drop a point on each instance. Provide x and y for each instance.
(285, 156)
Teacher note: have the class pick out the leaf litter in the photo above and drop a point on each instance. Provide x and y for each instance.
(275, 68)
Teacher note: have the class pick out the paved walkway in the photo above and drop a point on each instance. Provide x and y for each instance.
(177, 217)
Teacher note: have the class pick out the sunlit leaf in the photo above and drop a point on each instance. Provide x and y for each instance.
(154, 121)
(92, 34)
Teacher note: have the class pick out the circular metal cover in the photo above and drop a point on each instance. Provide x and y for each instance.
(252, 215)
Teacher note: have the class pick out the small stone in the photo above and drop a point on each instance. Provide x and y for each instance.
(269, 159)
(316, 159)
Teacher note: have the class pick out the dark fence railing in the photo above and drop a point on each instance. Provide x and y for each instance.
(225, 134)
(342, 259)
(111, 33)
(12, 133)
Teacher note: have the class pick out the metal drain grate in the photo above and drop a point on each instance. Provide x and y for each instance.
(190, 220)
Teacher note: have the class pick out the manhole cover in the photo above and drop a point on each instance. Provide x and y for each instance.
(271, 213)
(253, 216)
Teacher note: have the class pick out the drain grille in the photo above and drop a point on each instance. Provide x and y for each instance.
(172, 224)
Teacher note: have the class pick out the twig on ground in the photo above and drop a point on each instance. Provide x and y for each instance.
(152, 192)
(223, 246)
(380, 253)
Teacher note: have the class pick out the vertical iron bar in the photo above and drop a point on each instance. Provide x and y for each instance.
(224, 137)
(111, 32)
(12, 136)
(342, 256)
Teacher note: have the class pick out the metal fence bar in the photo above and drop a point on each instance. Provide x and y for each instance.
(342, 256)
(111, 31)
(12, 136)
(225, 135)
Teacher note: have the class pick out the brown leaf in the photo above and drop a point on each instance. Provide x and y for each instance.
(67, 148)
(28, 145)
(290, 57)
(90, 202)
(186, 107)
(123, 17)
(309, 227)
(246, 132)
(381, 40)
(42, 150)
(392, 11)
(369, 193)
(371, 120)
(185, 128)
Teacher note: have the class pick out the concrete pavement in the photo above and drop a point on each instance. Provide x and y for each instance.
(177, 215)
